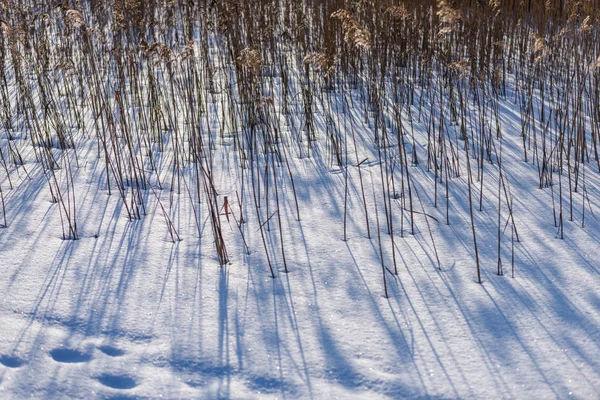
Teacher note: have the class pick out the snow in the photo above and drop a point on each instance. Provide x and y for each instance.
(126, 313)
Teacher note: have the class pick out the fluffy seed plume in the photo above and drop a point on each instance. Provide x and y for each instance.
(449, 17)
(353, 33)
(398, 12)
(5, 27)
(323, 62)
(250, 59)
(75, 18)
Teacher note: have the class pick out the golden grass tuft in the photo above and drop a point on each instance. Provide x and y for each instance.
(250, 59)
(323, 62)
(354, 34)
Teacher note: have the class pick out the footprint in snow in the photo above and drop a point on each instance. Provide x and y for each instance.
(111, 351)
(117, 381)
(66, 355)
(11, 362)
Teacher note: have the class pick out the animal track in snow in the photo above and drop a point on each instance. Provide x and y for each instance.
(117, 381)
(111, 351)
(11, 361)
(66, 355)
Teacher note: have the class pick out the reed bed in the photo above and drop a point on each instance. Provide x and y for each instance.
(160, 88)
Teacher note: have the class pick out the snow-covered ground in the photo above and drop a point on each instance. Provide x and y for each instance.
(125, 313)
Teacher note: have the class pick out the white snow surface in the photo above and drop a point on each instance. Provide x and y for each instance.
(125, 313)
